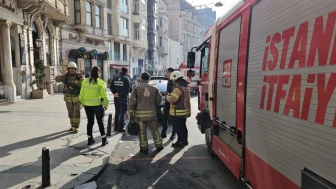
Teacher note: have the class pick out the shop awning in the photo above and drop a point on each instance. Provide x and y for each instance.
(118, 67)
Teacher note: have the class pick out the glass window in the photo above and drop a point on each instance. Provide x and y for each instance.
(100, 65)
(77, 12)
(98, 16)
(136, 31)
(154, 24)
(109, 24)
(12, 40)
(161, 22)
(109, 4)
(154, 6)
(124, 6)
(116, 51)
(87, 64)
(154, 39)
(136, 6)
(88, 14)
(124, 27)
(124, 52)
(160, 41)
(47, 47)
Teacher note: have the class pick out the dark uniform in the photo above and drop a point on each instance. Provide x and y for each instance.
(72, 86)
(180, 110)
(121, 85)
(143, 102)
(170, 88)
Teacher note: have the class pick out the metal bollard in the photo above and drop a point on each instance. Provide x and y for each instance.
(45, 167)
(109, 125)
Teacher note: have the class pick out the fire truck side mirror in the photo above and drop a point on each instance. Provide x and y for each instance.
(191, 59)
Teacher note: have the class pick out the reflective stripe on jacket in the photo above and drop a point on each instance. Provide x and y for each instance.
(179, 101)
(143, 101)
(93, 94)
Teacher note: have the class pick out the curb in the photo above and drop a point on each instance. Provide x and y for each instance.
(94, 178)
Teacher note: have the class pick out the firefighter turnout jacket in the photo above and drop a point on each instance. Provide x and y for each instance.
(121, 85)
(93, 94)
(143, 101)
(180, 99)
(72, 85)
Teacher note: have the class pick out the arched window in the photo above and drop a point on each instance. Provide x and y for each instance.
(12, 40)
(35, 36)
(47, 47)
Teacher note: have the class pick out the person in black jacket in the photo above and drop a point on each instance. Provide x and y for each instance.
(120, 87)
(166, 109)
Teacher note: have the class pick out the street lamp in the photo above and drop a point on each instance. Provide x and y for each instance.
(39, 44)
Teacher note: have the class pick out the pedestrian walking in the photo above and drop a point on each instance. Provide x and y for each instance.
(179, 100)
(93, 97)
(167, 107)
(142, 106)
(72, 86)
(120, 87)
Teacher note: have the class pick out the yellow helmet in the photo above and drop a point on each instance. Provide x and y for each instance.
(175, 75)
(72, 65)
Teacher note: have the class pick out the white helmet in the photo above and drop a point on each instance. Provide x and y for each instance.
(175, 75)
(72, 65)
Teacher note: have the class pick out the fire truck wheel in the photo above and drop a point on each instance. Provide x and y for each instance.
(208, 140)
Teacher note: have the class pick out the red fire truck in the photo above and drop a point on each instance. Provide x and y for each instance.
(193, 81)
(267, 96)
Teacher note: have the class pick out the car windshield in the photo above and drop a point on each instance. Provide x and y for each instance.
(158, 78)
(162, 87)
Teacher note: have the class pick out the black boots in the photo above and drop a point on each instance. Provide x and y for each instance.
(91, 141)
(104, 141)
(144, 151)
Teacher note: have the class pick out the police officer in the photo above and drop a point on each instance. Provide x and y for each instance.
(142, 106)
(166, 109)
(72, 85)
(92, 93)
(180, 107)
(120, 87)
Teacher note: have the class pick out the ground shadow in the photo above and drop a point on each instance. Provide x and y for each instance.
(5, 150)
(188, 170)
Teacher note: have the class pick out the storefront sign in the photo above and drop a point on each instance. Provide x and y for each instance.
(140, 63)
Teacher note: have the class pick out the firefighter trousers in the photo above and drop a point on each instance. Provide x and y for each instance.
(181, 129)
(153, 127)
(73, 107)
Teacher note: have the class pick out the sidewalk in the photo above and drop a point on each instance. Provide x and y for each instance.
(29, 125)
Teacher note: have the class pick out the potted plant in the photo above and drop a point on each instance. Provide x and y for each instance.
(39, 75)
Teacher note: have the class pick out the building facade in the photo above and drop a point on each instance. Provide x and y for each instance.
(84, 38)
(22, 24)
(162, 38)
(139, 37)
(152, 52)
(187, 25)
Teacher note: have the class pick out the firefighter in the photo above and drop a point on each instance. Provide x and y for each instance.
(72, 85)
(166, 109)
(142, 106)
(120, 87)
(179, 107)
(94, 98)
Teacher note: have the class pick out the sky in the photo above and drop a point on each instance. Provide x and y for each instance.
(220, 11)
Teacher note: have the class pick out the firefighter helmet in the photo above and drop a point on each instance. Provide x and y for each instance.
(175, 75)
(72, 65)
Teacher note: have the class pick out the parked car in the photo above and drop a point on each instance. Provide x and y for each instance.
(157, 79)
(162, 86)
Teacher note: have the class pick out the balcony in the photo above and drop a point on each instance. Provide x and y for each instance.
(55, 9)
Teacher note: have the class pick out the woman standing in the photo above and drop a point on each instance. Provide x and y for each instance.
(93, 97)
